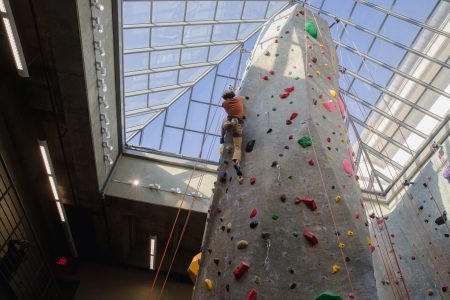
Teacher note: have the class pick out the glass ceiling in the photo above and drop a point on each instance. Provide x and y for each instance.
(178, 56)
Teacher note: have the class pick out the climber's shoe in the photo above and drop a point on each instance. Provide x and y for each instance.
(222, 140)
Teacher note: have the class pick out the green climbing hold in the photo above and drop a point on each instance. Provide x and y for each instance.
(323, 117)
(290, 102)
(305, 141)
(295, 233)
(271, 96)
(290, 73)
(297, 78)
(329, 296)
(311, 29)
(277, 54)
(290, 176)
(274, 217)
(274, 109)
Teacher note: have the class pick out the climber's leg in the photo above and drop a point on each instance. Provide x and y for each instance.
(226, 125)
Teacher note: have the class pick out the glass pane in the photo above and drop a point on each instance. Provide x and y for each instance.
(217, 52)
(171, 140)
(254, 9)
(136, 38)
(192, 144)
(215, 119)
(168, 11)
(160, 59)
(274, 6)
(387, 52)
(135, 139)
(351, 35)
(164, 36)
(246, 29)
(135, 102)
(367, 17)
(230, 65)
(211, 148)
(221, 84)
(152, 133)
(176, 114)
(224, 32)
(163, 79)
(136, 83)
(399, 31)
(203, 89)
(197, 34)
(164, 97)
(415, 9)
(200, 10)
(135, 61)
(138, 120)
(192, 74)
(365, 91)
(229, 10)
(340, 8)
(197, 116)
(194, 55)
(135, 12)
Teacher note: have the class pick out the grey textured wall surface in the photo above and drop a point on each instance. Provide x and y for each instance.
(290, 267)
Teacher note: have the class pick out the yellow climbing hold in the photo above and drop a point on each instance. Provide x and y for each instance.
(338, 199)
(325, 65)
(335, 269)
(330, 157)
(321, 46)
(194, 267)
(341, 245)
(333, 93)
(369, 241)
(342, 141)
(221, 150)
(345, 130)
(318, 73)
(209, 284)
(350, 233)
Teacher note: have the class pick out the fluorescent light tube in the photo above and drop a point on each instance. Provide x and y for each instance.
(60, 211)
(53, 185)
(45, 159)
(12, 43)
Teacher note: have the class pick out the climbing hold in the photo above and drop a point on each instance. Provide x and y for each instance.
(283, 96)
(241, 179)
(310, 203)
(223, 176)
(289, 89)
(341, 106)
(286, 147)
(357, 215)
(445, 288)
(312, 239)
(293, 116)
(216, 261)
(311, 29)
(347, 167)
(341, 245)
(265, 235)
(295, 233)
(350, 233)
(430, 293)
(283, 197)
(228, 227)
(242, 244)
(329, 105)
(305, 141)
(311, 162)
(269, 130)
(253, 224)
(292, 286)
(325, 65)
(253, 213)
(338, 199)
(267, 53)
(321, 46)
(328, 296)
(309, 75)
(252, 180)
(335, 269)
(290, 137)
(274, 164)
(274, 217)
(266, 77)
(442, 219)
(314, 59)
(288, 122)
(413, 257)
(240, 270)
(372, 248)
(333, 93)
(256, 280)
(318, 72)
(251, 295)
(249, 146)
(209, 284)
(329, 77)
(272, 72)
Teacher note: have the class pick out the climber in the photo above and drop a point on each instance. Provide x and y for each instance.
(234, 107)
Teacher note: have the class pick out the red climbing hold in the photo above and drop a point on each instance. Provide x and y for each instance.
(372, 248)
(329, 77)
(266, 77)
(413, 257)
(445, 288)
(312, 239)
(271, 72)
(252, 180)
(283, 197)
(241, 269)
(283, 96)
(328, 139)
(289, 89)
(253, 213)
(251, 295)
(430, 293)
(291, 137)
(276, 41)
(357, 215)
(311, 162)
(310, 203)
(293, 116)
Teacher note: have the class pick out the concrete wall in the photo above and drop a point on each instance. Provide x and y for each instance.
(421, 246)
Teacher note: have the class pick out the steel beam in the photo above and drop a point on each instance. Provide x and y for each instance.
(191, 23)
(179, 46)
(382, 157)
(384, 114)
(171, 68)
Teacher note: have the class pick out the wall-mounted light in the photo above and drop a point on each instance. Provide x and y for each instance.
(96, 24)
(107, 158)
(102, 101)
(104, 118)
(97, 5)
(152, 252)
(106, 145)
(135, 182)
(105, 132)
(99, 48)
(13, 38)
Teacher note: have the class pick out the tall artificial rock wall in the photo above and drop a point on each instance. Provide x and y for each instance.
(296, 222)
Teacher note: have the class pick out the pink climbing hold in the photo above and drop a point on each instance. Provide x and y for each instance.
(357, 215)
(329, 105)
(347, 167)
(266, 77)
(252, 180)
(251, 295)
(341, 106)
(312, 239)
(293, 116)
(311, 162)
(253, 213)
(323, 52)
(329, 77)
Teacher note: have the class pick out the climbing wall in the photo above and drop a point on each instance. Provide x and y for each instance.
(294, 229)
